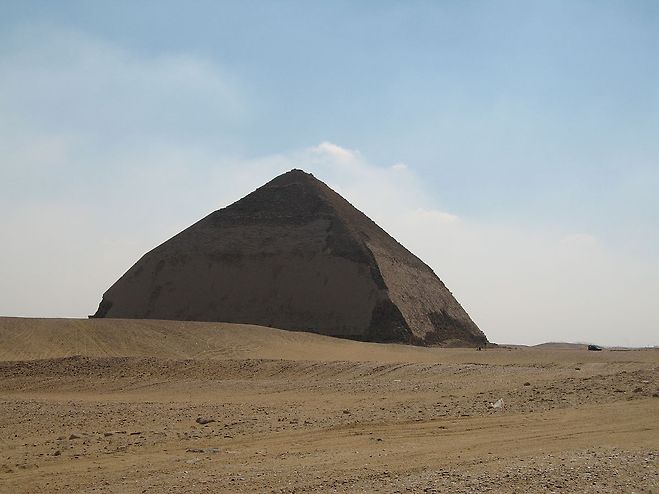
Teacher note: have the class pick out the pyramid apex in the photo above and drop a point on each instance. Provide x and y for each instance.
(297, 172)
(294, 176)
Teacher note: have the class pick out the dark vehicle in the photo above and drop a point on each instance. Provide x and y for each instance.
(594, 348)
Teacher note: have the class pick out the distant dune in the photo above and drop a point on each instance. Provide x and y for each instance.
(31, 339)
(558, 345)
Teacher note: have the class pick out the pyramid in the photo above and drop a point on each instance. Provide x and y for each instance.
(294, 255)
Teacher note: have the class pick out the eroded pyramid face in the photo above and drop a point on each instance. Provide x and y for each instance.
(293, 255)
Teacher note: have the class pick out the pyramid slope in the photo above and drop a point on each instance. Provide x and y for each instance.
(293, 254)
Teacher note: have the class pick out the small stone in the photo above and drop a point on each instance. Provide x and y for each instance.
(57, 453)
(204, 420)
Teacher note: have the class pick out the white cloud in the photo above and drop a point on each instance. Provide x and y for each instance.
(528, 286)
(55, 81)
(328, 149)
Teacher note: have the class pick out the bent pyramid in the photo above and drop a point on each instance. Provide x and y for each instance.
(294, 255)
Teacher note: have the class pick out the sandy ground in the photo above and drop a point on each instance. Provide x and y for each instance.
(112, 406)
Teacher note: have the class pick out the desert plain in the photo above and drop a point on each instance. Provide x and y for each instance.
(146, 406)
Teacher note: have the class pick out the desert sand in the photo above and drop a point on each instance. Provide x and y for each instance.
(115, 406)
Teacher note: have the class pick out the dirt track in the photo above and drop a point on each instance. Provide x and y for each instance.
(111, 406)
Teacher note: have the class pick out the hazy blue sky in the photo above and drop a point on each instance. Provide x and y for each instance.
(514, 146)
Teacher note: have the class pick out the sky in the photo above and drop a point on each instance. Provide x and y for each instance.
(513, 146)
